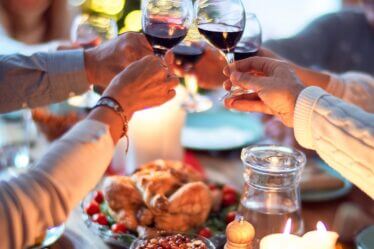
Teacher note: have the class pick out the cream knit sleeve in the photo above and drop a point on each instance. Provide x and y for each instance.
(353, 87)
(341, 133)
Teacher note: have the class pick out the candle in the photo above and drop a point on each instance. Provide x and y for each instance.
(321, 238)
(154, 133)
(240, 234)
(283, 240)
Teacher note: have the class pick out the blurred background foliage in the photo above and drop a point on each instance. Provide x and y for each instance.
(126, 13)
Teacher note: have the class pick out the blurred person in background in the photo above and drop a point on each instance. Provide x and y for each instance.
(338, 42)
(28, 26)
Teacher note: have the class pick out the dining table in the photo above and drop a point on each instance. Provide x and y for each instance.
(224, 167)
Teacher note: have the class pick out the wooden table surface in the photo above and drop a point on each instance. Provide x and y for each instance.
(227, 169)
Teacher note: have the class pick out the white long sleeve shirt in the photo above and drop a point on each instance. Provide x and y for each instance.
(46, 194)
(340, 131)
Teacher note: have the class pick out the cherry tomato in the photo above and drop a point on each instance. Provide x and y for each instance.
(227, 189)
(118, 228)
(229, 199)
(205, 232)
(230, 217)
(92, 208)
(100, 219)
(99, 197)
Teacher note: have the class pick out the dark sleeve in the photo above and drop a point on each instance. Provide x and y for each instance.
(40, 79)
(310, 46)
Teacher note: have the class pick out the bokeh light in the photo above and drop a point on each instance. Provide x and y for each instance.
(109, 7)
(132, 22)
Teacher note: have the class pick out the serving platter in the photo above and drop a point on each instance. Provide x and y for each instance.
(215, 224)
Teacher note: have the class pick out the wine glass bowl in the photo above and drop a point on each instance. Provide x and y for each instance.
(91, 30)
(166, 23)
(221, 22)
(251, 40)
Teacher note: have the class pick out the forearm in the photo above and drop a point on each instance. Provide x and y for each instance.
(40, 79)
(45, 195)
(342, 134)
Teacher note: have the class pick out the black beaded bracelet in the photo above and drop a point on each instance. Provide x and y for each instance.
(113, 104)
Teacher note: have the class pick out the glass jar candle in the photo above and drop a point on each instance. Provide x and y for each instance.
(271, 193)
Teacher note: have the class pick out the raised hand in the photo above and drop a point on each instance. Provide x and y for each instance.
(104, 62)
(276, 91)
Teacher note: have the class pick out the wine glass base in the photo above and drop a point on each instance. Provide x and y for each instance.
(197, 103)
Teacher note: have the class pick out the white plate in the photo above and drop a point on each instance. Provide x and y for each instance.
(219, 129)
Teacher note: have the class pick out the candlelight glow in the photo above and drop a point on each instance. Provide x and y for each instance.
(321, 227)
(287, 228)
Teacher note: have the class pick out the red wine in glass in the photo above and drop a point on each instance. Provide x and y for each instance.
(222, 36)
(186, 56)
(163, 36)
(243, 51)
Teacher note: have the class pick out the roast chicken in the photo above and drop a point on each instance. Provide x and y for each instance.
(166, 195)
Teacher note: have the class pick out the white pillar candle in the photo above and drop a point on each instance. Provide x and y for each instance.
(155, 133)
(321, 238)
(282, 240)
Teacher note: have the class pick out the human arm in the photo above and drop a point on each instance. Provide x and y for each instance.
(341, 133)
(44, 195)
(46, 78)
(354, 87)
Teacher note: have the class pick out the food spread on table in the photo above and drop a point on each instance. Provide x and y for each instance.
(163, 196)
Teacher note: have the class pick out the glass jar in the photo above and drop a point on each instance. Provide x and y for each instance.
(271, 193)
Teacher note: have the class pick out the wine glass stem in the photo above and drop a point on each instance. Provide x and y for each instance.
(230, 57)
(191, 85)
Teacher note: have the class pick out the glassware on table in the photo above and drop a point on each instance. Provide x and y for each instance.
(17, 131)
(271, 194)
(248, 46)
(251, 40)
(186, 55)
(222, 23)
(166, 23)
(90, 31)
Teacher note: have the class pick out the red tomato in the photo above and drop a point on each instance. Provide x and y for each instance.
(229, 199)
(205, 232)
(230, 217)
(118, 228)
(227, 189)
(99, 197)
(92, 208)
(100, 219)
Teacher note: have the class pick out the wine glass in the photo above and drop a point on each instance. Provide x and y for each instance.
(251, 40)
(248, 46)
(89, 31)
(166, 23)
(222, 23)
(186, 55)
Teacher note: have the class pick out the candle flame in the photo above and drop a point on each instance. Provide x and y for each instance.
(321, 227)
(287, 228)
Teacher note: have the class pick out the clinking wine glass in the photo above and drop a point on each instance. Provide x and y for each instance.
(166, 23)
(222, 23)
(90, 31)
(248, 46)
(186, 55)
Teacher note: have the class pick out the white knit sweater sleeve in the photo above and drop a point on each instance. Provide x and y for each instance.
(341, 133)
(353, 87)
